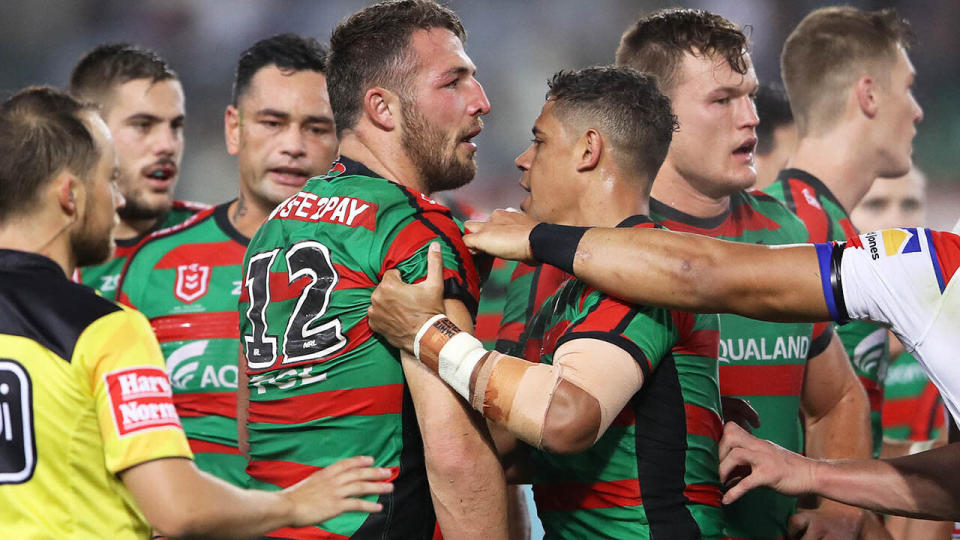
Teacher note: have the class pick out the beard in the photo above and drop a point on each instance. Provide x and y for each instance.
(138, 207)
(92, 244)
(426, 144)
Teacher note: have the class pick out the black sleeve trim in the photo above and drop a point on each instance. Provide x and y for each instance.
(836, 258)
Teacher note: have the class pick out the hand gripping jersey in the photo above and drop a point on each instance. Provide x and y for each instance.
(912, 408)
(653, 474)
(903, 278)
(105, 277)
(322, 386)
(866, 343)
(83, 397)
(761, 362)
(186, 280)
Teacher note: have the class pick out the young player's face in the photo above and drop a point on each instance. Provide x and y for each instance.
(282, 133)
(898, 114)
(146, 121)
(713, 149)
(92, 238)
(546, 167)
(443, 117)
(892, 202)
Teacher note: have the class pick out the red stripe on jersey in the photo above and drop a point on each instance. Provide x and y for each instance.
(125, 300)
(702, 421)
(226, 253)
(948, 253)
(522, 270)
(184, 326)
(417, 234)
(553, 334)
(206, 447)
(874, 393)
(564, 497)
(370, 401)
(707, 494)
(809, 210)
(742, 218)
(349, 278)
(196, 404)
(700, 343)
(819, 328)
(305, 533)
(511, 331)
(125, 251)
(487, 325)
(287, 473)
(355, 337)
(849, 231)
(920, 413)
(782, 380)
(606, 317)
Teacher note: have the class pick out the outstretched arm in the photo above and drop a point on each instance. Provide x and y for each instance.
(669, 269)
(924, 485)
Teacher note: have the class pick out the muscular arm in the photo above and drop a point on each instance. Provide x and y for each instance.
(678, 270)
(924, 485)
(466, 479)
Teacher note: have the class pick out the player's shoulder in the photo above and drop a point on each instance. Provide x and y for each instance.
(766, 210)
(160, 240)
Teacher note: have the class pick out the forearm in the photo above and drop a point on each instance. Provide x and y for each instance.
(842, 432)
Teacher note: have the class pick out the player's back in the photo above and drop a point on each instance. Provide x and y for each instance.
(322, 385)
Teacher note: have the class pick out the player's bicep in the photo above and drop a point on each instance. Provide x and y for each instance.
(779, 283)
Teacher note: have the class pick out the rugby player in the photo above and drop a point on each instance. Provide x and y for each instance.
(187, 279)
(702, 64)
(141, 100)
(321, 385)
(776, 134)
(902, 278)
(90, 442)
(849, 80)
(620, 403)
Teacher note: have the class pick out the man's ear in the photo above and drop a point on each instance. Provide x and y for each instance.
(590, 148)
(382, 107)
(231, 129)
(70, 193)
(865, 90)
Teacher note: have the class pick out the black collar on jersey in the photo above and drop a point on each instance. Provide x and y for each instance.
(818, 186)
(134, 240)
(355, 167)
(633, 221)
(222, 217)
(671, 213)
(22, 261)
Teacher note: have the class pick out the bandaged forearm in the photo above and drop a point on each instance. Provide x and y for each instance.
(517, 394)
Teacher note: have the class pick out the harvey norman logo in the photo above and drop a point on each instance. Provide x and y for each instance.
(140, 400)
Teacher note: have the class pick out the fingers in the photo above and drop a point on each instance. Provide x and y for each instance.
(733, 437)
(474, 226)
(349, 463)
(435, 265)
(798, 524)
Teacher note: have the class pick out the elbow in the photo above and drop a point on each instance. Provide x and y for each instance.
(572, 424)
(177, 525)
(453, 456)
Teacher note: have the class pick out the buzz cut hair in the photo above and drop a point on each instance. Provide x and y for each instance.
(288, 52)
(42, 133)
(373, 48)
(658, 42)
(625, 106)
(112, 64)
(829, 51)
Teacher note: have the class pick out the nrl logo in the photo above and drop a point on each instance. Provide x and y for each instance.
(193, 281)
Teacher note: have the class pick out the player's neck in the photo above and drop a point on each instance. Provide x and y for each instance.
(132, 228)
(674, 190)
(607, 201)
(841, 166)
(384, 156)
(50, 241)
(247, 214)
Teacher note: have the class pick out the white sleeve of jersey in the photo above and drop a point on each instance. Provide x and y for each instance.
(890, 277)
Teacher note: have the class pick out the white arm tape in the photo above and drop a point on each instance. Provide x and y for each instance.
(457, 359)
(423, 330)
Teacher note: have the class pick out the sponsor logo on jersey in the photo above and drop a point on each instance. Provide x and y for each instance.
(140, 400)
(18, 453)
(900, 241)
(109, 283)
(285, 379)
(184, 363)
(193, 281)
(783, 347)
(872, 245)
(310, 207)
(867, 355)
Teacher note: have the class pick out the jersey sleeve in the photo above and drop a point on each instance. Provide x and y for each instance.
(895, 277)
(648, 334)
(407, 252)
(131, 390)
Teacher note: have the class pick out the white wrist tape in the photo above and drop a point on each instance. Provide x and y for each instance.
(423, 330)
(457, 359)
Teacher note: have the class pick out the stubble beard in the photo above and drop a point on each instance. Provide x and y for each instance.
(91, 246)
(426, 146)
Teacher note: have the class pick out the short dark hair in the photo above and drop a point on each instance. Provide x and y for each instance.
(625, 105)
(41, 134)
(656, 43)
(773, 109)
(826, 52)
(111, 64)
(372, 48)
(286, 51)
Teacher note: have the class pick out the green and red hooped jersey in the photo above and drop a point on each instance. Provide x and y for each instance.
(912, 408)
(867, 344)
(322, 386)
(105, 277)
(761, 362)
(529, 288)
(653, 473)
(186, 280)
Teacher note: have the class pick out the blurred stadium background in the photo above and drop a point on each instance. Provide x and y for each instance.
(517, 46)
